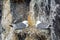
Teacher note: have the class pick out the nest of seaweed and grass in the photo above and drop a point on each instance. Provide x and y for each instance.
(33, 34)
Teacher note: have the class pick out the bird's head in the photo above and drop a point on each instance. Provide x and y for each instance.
(25, 22)
(37, 22)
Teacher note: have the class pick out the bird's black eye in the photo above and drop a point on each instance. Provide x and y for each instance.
(10, 25)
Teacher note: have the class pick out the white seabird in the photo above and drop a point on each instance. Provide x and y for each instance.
(37, 22)
(42, 26)
(20, 25)
(24, 24)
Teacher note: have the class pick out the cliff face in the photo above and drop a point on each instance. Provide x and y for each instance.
(0, 8)
(46, 11)
(19, 9)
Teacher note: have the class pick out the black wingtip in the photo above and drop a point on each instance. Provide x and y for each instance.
(11, 25)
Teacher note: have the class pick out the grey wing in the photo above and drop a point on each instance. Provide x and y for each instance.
(42, 25)
(20, 26)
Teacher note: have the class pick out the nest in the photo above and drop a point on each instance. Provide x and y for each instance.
(33, 34)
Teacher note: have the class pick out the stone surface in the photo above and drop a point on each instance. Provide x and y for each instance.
(46, 8)
(0, 31)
